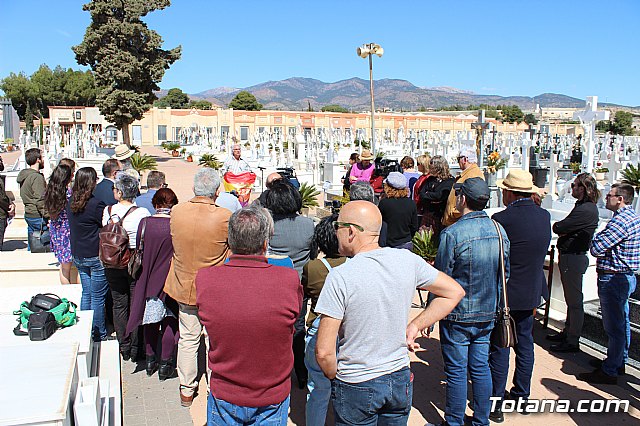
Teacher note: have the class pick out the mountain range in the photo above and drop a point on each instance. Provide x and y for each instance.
(297, 93)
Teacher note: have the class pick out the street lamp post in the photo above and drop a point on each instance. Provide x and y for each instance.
(364, 51)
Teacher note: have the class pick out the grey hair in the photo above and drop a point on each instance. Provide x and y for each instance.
(361, 190)
(249, 228)
(155, 179)
(206, 182)
(128, 186)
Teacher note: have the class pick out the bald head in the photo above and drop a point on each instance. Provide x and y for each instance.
(362, 213)
(271, 178)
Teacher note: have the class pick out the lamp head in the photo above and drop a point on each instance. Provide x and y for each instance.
(363, 51)
(370, 49)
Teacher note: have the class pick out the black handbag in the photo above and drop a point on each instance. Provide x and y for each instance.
(40, 240)
(135, 262)
(504, 331)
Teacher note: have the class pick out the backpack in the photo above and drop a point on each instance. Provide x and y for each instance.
(114, 243)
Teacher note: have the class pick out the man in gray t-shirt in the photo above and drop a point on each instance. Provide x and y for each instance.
(365, 303)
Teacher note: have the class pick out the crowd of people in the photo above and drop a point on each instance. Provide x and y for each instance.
(272, 293)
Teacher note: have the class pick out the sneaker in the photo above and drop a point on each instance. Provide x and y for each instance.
(186, 401)
(597, 363)
(598, 377)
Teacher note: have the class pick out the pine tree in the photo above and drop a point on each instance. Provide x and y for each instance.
(126, 57)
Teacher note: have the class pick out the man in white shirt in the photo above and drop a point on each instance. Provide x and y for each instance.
(235, 164)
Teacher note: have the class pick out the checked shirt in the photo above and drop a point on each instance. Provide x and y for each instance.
(617, 247)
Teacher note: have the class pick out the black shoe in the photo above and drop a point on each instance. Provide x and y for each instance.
(166, 369)
(126, 355)
(598, 377)
(565, 347)
(557, 337)
(597, 363)
(134, 354)
(496, 416)
(152, 365)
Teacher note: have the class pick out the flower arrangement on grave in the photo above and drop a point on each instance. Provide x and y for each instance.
(495, 162)
(575, 167)
(425, 244)
(600, 169)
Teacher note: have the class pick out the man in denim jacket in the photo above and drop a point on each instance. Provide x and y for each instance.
(469, 253)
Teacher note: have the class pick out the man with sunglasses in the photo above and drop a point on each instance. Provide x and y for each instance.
(617, 248)
(575, 232)
(467, 159)
(366, 302)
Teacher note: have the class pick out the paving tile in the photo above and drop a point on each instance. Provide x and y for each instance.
(139, 419)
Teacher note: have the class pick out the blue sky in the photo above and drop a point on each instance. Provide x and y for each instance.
(517, 47)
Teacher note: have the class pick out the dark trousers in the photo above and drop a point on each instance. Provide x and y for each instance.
(299, 335)
(572, 268)
(499, 359)
(3, 226)
(122, 286)
(165, 331)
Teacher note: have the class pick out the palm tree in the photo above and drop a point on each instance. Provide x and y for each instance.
(210, 160)
(309, 194)
(140, 163)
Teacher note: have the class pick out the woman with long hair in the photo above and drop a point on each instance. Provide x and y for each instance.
(84, 212)
(151, 307)
(423, 168)
(55, 200)
(434, 194)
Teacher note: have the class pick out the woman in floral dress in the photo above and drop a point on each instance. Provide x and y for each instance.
(56, 196)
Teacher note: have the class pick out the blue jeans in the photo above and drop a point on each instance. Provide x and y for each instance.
(220, 413)
(499, 359)
(465, 347)
(614, 291)
(94, 292)
(318, 385)
(33, 224)
(385, 400)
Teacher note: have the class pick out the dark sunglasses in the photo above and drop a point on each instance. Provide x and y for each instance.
(337, 225)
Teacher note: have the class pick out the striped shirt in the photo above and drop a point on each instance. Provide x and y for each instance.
(617, 247)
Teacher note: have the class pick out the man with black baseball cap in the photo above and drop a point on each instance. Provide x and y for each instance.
(469, 253)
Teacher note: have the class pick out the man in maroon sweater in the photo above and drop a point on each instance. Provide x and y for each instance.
(248, 308)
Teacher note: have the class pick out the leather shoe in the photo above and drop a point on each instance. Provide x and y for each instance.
(565, 347)
(598, 377)
(597, 363)
(557, 337)
(496, 416)
(186, 401)
(152, 365)
(166, 370)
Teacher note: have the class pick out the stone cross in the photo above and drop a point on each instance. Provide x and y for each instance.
(480, 126)
(588, 119)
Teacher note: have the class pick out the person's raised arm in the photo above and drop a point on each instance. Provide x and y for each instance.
(448, 294)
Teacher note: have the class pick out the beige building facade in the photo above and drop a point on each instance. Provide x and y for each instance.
(160, 125)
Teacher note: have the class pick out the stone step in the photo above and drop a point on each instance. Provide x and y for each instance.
(593, 329)
(17, 230)
(22, 268)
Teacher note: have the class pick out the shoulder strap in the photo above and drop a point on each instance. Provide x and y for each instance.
(502, 275)
(141, 241)
(132, 208)
(326, 264)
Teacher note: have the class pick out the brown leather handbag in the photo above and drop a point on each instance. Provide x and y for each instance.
(504, 331)
(135, 263)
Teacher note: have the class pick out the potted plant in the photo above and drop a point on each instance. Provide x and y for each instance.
(9, 142)
(309, 195)
(173, 147)
(575, 167)
(425, 245)
(631, 175)
(600, 172)
(209, 160)
(141, 163)
(183, 152)
(190, 158)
